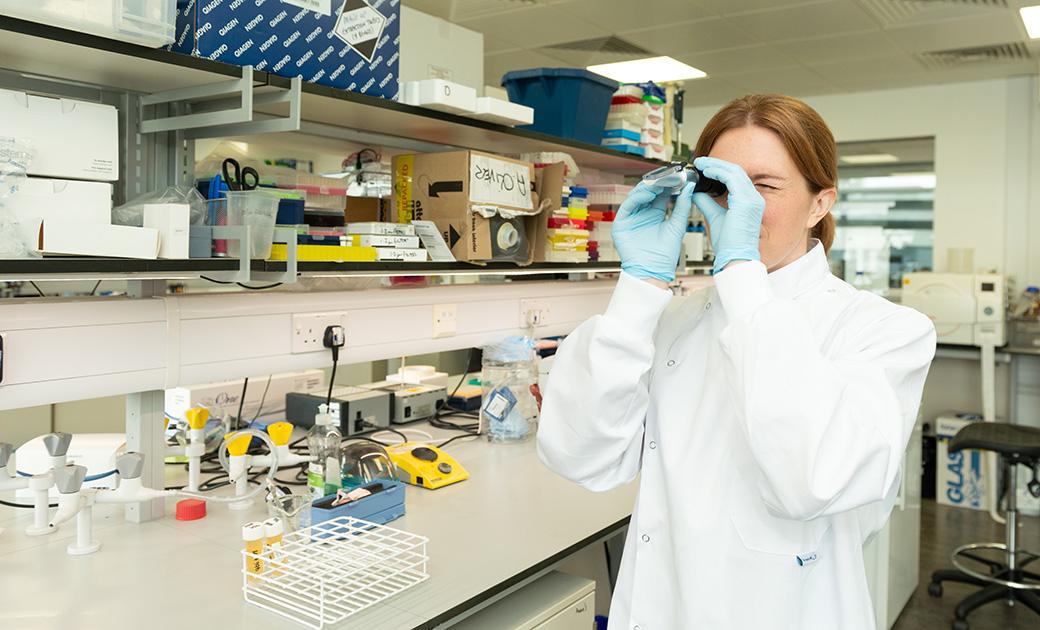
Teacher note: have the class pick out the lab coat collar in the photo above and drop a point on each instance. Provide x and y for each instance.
(804, 273)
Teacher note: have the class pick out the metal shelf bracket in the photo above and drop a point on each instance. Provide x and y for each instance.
(290, 275)
(223, 109)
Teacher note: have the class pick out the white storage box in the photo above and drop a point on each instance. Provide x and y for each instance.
(71, 139)
(410, 255)
(693, 243)
(85, 239)
(441, 95)
(222, 398)
(147, 22)
(608, 194)
(503, 112)
(61, 201)
(960, 478)
(173, 221)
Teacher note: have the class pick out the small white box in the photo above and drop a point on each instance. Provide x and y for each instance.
(383, 240)
(73, 139)
(60, 201)
(411, 255)
(960, 478)
(503, 112)
(440, 95)
(222, 398)
(383, 229)
(173, 221)
(693, 243)
(84, 239)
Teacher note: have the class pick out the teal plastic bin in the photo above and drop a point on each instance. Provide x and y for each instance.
(568, 102)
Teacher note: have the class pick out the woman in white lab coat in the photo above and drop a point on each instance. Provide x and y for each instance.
(766, 417)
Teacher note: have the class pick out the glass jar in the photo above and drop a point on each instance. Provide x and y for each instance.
(509, 412)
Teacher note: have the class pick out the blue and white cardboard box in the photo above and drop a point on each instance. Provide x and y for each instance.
(961, 478)
(348, 44)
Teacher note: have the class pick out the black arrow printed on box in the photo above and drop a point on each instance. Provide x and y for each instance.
(453, 236)
(443, 187)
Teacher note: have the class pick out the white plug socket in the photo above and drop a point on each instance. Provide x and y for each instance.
(445, 317)
(308, 330)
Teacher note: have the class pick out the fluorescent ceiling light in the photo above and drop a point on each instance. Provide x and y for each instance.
(1031, 18)
(657, 69)
(869, 158)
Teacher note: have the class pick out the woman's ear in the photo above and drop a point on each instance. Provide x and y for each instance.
(822, 204)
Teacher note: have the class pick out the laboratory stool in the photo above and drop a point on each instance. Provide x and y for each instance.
(1007, 580)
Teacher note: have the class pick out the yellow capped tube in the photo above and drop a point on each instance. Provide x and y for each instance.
(273, 530)
(253, 536)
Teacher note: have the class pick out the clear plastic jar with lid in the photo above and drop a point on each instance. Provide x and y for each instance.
(509, 412)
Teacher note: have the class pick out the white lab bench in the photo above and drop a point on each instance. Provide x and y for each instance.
(511, 522)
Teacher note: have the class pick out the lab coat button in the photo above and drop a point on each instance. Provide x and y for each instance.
(671, 363)
(646, 538)
(707, 306)
(653, 444)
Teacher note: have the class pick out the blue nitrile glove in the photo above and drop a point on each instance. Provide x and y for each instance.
(646, 238)
(734, 231)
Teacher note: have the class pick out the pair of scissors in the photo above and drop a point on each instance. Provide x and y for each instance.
(238, 178)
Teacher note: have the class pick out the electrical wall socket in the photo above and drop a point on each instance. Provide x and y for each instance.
(308, 330)
(444, 320)
(534, 312)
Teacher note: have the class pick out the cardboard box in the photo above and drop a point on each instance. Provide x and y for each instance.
(85, 239)
(367, 209)
(549, 186)
(72, 139)
(960, 478)
(59, 201)
(173, 221)
(460, 191)
(222, 398)
(348, 44)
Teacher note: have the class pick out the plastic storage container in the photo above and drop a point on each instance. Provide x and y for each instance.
(567, 102)
(509, 412)
(257, 209)
(147, 22)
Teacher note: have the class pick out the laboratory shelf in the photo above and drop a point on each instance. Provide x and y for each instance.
(41, 50)
(83, 268)
(397, 268)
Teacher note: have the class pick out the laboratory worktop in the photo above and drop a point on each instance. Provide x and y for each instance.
(512, 521)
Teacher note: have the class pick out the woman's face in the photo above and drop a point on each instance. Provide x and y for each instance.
(792, 210)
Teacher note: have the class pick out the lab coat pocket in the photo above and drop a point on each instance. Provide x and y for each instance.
(763, 532)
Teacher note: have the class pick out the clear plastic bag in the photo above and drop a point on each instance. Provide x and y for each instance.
(509, 412)
(15, 156)
(132, 212)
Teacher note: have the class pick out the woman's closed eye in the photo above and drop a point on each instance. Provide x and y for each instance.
(762, 186)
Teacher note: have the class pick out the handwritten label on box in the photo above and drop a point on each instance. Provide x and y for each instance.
(499, 182)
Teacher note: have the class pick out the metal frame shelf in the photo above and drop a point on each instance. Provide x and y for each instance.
(39, 49)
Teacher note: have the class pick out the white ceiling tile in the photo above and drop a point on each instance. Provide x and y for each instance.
(737, 60)
(730, 7)
(627, 15)
(894, 12)
(794, 81)
(500, 63)
(703, 35)
(710, 91)
(982, 71)
(462, 10)
(534, 26)
(582, 58)
(832, 17)
(850, 73)
(994, 28)
(839, 47)
(439, 8)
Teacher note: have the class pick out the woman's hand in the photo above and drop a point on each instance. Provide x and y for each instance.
(734, 231)
(646, 238)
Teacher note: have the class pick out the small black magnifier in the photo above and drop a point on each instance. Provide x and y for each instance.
(675, 175)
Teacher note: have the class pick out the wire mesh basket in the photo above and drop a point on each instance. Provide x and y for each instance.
(324, 573)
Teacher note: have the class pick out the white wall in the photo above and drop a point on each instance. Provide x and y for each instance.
(987, 160)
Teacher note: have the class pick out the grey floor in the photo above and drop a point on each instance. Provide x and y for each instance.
(944, 528)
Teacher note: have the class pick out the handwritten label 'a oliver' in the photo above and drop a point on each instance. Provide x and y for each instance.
(499, 182)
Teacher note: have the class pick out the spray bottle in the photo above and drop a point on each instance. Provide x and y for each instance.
(323, 440)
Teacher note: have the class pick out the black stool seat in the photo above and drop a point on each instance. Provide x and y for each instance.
(1012, 441)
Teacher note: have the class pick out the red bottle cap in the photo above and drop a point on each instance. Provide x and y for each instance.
(191, 509)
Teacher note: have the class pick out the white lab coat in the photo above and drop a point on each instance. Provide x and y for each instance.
(767, 418)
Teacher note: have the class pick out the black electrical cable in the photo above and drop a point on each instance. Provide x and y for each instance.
(94, 290)
(38, 289)
(263, 397)
(332, 379)
(244, 286)
(241, 403)
(458, 437)
(22, 505)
